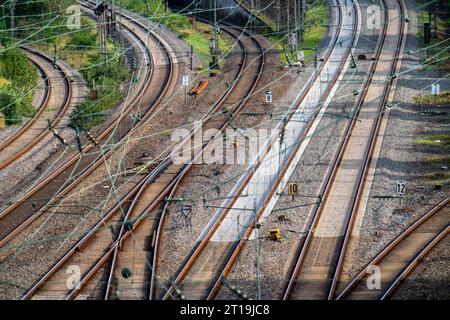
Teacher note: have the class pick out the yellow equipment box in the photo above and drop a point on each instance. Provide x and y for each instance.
(275, 234)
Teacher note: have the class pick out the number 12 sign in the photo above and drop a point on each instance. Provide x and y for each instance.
(401, 187)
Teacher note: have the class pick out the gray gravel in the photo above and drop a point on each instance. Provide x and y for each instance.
(31, 165)
(401, 159)
(178, 242)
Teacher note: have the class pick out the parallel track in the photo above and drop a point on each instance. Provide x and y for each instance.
(317, 269)
(401, 256)
(202, 274)
(34, 131)
(154, 86)
(97, 246)
(101, 233)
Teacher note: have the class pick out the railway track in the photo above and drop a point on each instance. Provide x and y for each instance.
(56, 103)
(138, 221)
(203, 271)
(152, 88)
(318, 266)
(401, 256)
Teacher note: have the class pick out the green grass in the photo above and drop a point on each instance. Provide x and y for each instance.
(435, 140)
(436, 178)
(75, 48)
(198, 36)
(80, 49)
(440, 161)
(442, 25)
(4, 81)
(431, 99)
(437, 173)
(19, 77)
(108, 77)
(316, 19)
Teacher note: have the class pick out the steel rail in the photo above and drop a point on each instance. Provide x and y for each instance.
(329, 178)
(368, 159)
(66, 100)
(176, 181)
(326, 185)
(392, 245)
(119, 205)
(192, 258)
(82, 242)
(415, 262)
(73, 161)
(172, 185)
(269, 195)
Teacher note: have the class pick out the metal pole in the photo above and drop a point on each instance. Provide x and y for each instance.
(301, 18)
(287, 26)
(258, 285)
(12, 14)
(3, 18)
(297, 28)
(215, 22)
(278, 8)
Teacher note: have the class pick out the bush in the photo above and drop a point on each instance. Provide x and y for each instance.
(86, 36)
(15, 66)
(108, 78)
(13, 106)
(21, 77)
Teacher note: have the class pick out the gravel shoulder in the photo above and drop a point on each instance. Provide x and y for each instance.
(272, 256)
(292, 214)
(401, 159)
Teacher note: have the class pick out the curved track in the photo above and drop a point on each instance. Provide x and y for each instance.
(398, 259)
(97, 246)
(56, 102)
(202, 274)
(152, 89)
(317, 269)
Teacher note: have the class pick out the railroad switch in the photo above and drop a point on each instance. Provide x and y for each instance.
(275, 234)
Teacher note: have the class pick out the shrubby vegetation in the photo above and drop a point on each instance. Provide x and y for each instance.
(16, 89)
(79, 48)
(108, 78)
(196, 35)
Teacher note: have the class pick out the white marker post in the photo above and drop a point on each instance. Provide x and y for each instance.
(435, 90)
(185, 84)
(269, 97)
(401, 189)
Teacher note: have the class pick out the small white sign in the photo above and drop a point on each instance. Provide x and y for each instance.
(301, 55)
(401, 187)
(185, 80)
(436, 88)
(268, 96)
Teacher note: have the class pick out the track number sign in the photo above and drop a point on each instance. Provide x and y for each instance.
(269, 96)
(435, 89)
(293, 189)
(401, 187)
(185, 80)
